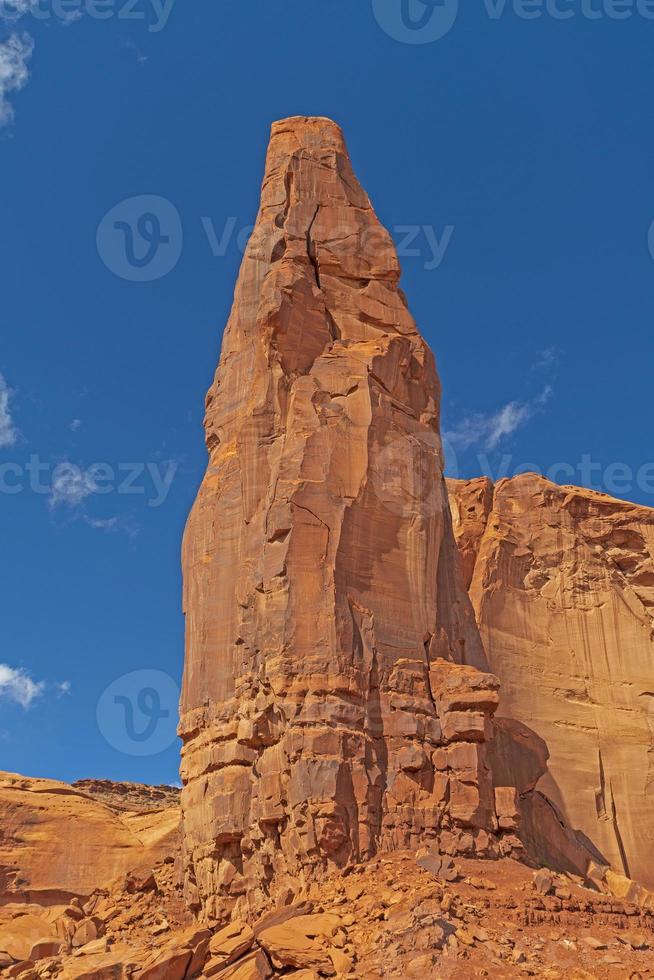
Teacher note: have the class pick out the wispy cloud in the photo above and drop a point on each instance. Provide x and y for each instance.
(8, 433)
(75, 425)
(63, 688)
(547, 360)
(14, 9)
(489, 430)
(102, 523)
(128, 45)
(118, 523)
(16, 685)
(71, 485)
(15, 54)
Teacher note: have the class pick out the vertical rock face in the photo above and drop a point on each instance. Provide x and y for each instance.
(563, 589)
(322, 599)
(471, 503)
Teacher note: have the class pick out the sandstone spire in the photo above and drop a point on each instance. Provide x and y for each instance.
(322, 596)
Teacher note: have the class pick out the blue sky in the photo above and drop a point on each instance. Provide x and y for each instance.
(512, 156)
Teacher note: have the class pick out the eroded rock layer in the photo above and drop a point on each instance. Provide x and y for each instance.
(59, 841)
(408, 914)
(563, 588)
(322, 597)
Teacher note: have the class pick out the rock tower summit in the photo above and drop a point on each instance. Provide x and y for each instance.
(324, 608)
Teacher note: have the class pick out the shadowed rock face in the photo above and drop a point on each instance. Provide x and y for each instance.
(322, 595)
(562, 583)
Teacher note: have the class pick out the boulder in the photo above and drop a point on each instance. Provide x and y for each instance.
(304, 942)
(170, 964)
(29, 937)
(253, 966)
(227, 946)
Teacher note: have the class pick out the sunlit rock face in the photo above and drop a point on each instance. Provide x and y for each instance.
(562, 582)
(59, 842)
(322, 595)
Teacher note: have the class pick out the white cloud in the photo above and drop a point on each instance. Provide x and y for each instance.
(75, 425)
(546, 359)
(71, 485)
(15, 9)
(63, 687)
(15, 54)
(17, 685)
(8, 433)
(119, 523)
(129, 45)
(489, 430)
(102, 524)
(506, 421)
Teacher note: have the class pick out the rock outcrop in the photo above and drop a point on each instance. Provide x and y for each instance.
(58, 842)
(87, 874)
(408, 914)
(562, 582)
(322, 597)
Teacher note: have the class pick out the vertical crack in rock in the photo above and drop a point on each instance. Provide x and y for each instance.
(618, 835)
(600, 795)
(323, 602)
(311, 250)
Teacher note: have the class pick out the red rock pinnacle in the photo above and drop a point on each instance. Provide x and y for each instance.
(322, 595)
